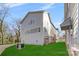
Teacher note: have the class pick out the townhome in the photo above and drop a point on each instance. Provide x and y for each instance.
(37, 28)
(71, 27)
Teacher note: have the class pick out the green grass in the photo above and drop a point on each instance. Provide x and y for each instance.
(55, 49)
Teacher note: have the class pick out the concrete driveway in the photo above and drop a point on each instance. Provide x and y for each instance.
(3, 47)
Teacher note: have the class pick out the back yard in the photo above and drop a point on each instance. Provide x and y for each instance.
(56, 49)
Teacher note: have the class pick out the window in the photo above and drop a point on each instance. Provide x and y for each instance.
(38, 29)
(31, 22)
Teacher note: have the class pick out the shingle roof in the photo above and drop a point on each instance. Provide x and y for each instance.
(66, 24)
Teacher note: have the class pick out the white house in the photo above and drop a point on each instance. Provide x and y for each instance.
(37, 28)
(71, 27)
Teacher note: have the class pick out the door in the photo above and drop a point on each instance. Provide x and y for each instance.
(46, 40)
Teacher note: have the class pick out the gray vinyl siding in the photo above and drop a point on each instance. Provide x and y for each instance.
(32, 38)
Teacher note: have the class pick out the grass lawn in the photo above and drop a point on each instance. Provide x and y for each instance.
(55, 49)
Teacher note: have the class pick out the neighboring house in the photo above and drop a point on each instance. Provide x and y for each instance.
(71, 27)
(37, 28)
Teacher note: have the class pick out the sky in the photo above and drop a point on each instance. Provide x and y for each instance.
(18, 11)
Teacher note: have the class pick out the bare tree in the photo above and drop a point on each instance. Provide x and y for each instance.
(16, 29)
(3, 15)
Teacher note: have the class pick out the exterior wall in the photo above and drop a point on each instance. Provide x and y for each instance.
(53, 33)
(35, 20)
(36, 37)
(48, 30)
(46, 26)
(72, 37)
(74, 17)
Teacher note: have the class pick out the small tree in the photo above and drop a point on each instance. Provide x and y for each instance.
(10, 38)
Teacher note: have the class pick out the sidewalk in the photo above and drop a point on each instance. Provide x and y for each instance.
(3, 47)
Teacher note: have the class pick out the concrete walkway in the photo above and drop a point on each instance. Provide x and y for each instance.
(3, 47)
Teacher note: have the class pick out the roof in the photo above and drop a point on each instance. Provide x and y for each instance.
(51, 21)
(38, 12)
(31, 12)
(66, 24)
